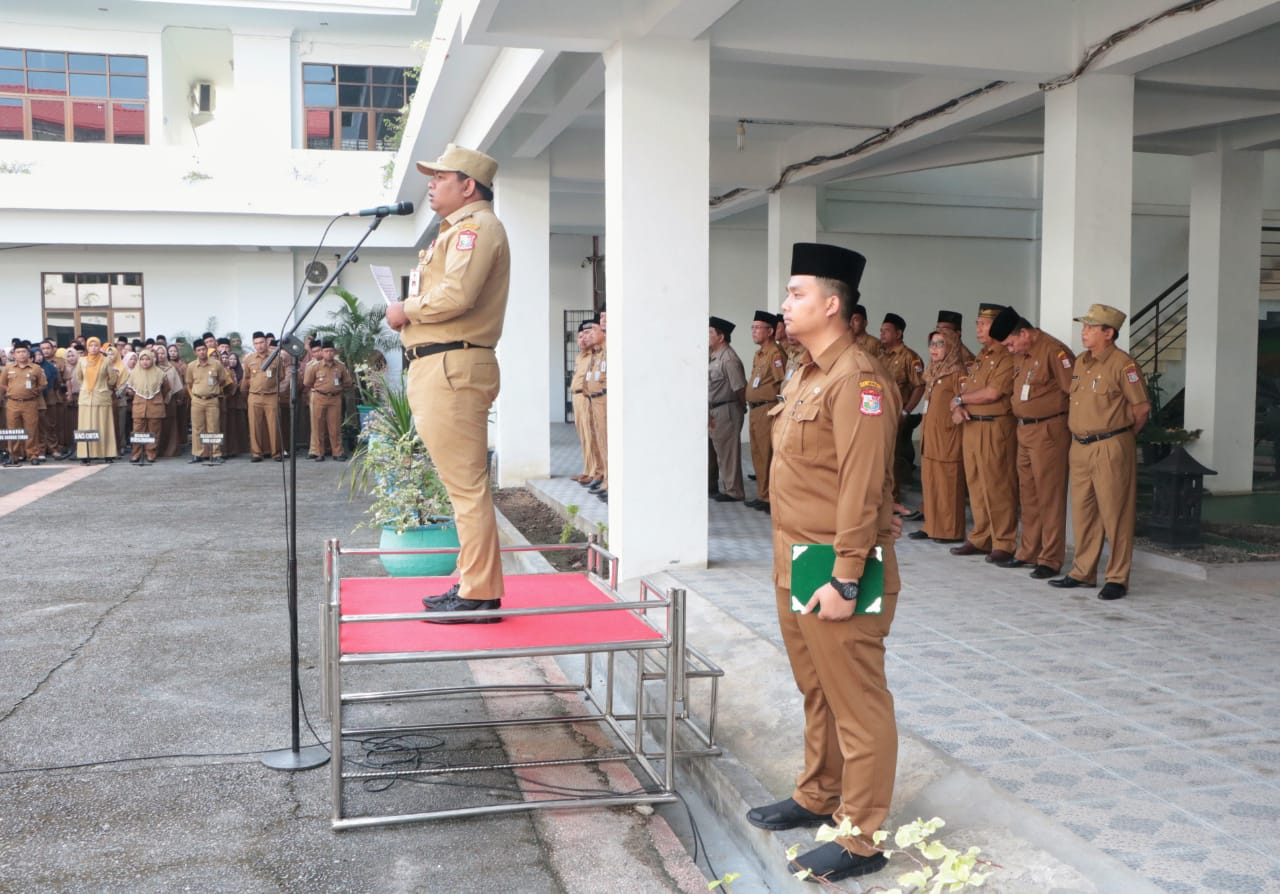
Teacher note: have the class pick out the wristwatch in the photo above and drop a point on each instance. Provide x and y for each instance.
(848, 591)
(958, 400)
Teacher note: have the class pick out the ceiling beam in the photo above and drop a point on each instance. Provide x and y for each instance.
(583, 91)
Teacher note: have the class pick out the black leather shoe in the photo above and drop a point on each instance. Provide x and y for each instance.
(832, 862)
(918, 535)
(458, 604)
(594, 483)
(998, 556)
(195, 459)
(603, 496)
(340, 458)
(967, 549)
(255, 459)
(763, 506)
(319, 459)
(279, 459)
(1068, 583)
(752, 504)
(1044, 572)
(786, 814)
(918, 515)
(312, 457)
(752, 477)
(1112, 591)
(430, 602)
(216, 461)
(946, 540)
(725, 498)
(1012, 562)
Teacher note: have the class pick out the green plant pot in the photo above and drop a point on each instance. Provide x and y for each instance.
(439, 536)
(364, 414)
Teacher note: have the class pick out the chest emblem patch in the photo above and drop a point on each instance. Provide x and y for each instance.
(466, 241)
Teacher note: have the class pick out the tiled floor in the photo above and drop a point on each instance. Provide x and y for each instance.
(1149, 726)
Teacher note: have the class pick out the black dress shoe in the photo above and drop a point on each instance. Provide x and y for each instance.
(946, 539)
(340, 458)
(1012, 562)
(999, 556)
(430, 602)
(752, 477)
(603, 495)
(751, 504)
(918, 535)
(832, 862)
(725, 498)
(1044, 572)
(195, 459)
(216, 461)
(763, 506)
(918, 515)
(1068, 583)
(1112, 591)
(458, 604)
(594, 483)
(967, 549)
(320, 459)
(783, 815)
(255, 459)
(278, 459)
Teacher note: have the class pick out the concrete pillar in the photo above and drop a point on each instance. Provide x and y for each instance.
(657, 179)
(793, 217)
(1088, 202)
(523, 437)
(1222, 314)
(262, 66)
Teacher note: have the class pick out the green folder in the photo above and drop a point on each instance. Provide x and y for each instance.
(811, 566)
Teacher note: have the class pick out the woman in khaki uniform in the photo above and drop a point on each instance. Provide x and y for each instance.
(147, 386)
(941, 445)
(97, 379)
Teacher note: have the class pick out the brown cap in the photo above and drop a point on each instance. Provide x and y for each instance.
(476, 165)
(1103, 315)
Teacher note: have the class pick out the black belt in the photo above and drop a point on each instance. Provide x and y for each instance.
(724, 403)
(760, 403)
(984, 418)
(1041, 419)
(578, 391)
(600, 393)
(420, 351)
(21, 399)
(326, 393)
(1089, 439)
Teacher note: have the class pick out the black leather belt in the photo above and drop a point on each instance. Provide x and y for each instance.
(600, 393)
(1089, 439)
(760, 403)
(577, 391)
(984, 418)
(420, 351)
(723, 403)
(1041, 419)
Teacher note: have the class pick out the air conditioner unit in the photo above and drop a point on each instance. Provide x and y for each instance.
(202, 98)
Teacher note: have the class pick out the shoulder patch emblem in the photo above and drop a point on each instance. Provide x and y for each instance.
(919, 366)
(1132, 375)
(466, 240)
(871, 401)
(1064, 360)
(777, 362)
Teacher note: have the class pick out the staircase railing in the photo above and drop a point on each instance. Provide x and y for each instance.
(1160, 323)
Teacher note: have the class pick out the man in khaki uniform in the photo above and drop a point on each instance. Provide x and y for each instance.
(450, 326)
(55, 422)
(23, 382)
(207, 380)
(907, 371)
(833, 466)
(264, 401)
(768, 368)
(1109, 406)
(1042, 368)
(861, 337)
(726, 396)
(596, 390)
(327, 380)
(990, 446)
(581, 404)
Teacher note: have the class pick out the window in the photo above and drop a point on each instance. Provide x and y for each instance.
(354, 106)
(72, 97)
(107, 305)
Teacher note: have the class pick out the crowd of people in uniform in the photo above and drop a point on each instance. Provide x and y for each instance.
(150, 399)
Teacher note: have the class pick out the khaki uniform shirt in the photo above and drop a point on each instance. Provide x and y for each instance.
(256, 379)
(462, 282)
(905, 368)
(768, 369)
(209, 379)
(1042, 378)
(871, 345)
(23, 383)
(1104, 391)
(580, 367)
(327, 379)
(994, 367)
(832, 471)
(597, 378)
(725, 376)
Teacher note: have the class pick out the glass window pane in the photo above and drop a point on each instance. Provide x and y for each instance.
(50, 61)
(60, 327)
(355, 130)
(12, 80)
(94, 325)
(94, 295)
(384, 121)
(48, 119)
(83, 278)
(319, 129)
(353, 74)
(11, 58)
(126, 296)
(129, 65)
(11, 119)
(391, 76)
(58, 292)
(129, 122)
(87, 62)
(129, 279)
(319, 95)
(50, 83)
(88, 85)
(322, 74)
(127, 323)
(89, 122)
(388, 97)
(128, 87)
(353, 95)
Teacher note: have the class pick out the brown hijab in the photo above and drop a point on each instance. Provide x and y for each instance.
(951, 362)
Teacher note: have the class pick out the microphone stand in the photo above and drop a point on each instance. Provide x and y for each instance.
(295, 757)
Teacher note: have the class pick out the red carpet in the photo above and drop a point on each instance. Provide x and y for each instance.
(401, 595)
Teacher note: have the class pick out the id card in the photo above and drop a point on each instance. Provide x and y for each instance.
(1026, 391)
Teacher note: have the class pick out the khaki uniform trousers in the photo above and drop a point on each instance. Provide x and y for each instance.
(1104, 494)
(451, 393)
(904, 455)
(326, 420)
(582, 423)
(264, 425)
(598, 410)
(726, 438)
(206, 418)
(990, 454)
(150, 427)
(52, 421)
(1042, 490)
(850, 735)
(23, 414)
(944, 498)
(760, 428)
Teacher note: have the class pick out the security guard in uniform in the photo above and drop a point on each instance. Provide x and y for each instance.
(450, 326)
(1109, 406)
(907, 371)
(833, 467)
(1042, 368)
(768, 368)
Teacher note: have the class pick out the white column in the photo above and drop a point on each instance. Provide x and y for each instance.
(523, 437)
(1222, 314)
(793, 217)
(1088, 202)
(657, 180)
(263, 71)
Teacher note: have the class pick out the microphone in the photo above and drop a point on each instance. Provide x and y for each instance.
(383, 210)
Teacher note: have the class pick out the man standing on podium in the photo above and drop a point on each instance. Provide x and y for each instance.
(833, 442)
(450, 326)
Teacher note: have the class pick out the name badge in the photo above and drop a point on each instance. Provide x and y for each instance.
(415, 279)
(755, 383)
(211, 437)
(336, 383)
(270, 373)
(142, 437)
(13, 434)
(1026, 391)
(87, 434)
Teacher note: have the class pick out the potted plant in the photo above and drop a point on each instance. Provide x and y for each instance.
(1161, 433)
(409, 501)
